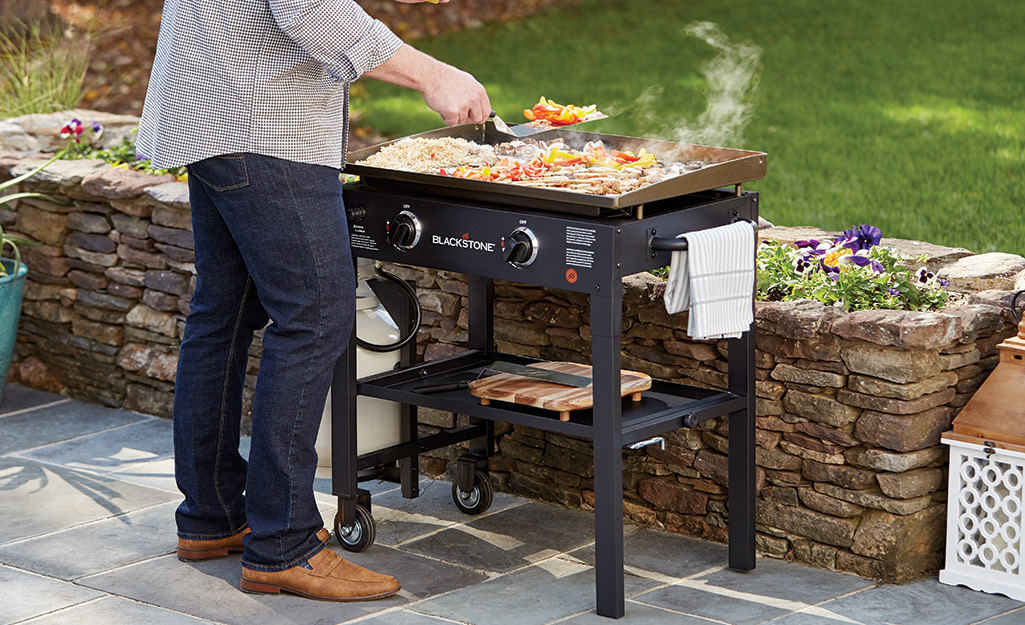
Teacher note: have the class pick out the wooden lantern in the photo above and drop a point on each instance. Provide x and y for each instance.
(996, 412)
(986, 494)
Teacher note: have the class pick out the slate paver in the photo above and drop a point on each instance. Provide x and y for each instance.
(60, 422)
(26, 595)
(638, 614)
(48, 498)
(209, 590)
(405, 617)
(773, 589)
(157, 473)
(98, 546)
(918, 603)
(420, 577)
(103, 611)
(664, 553)
(111, 450)
(18, 397)
(509, 538)
(548, 591)
(1015, 617)
(400, 520)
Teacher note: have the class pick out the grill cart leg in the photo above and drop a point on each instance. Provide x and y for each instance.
(606, 327)
(344, 482)
(742, 454)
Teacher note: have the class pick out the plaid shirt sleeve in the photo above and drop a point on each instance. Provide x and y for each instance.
(337, 33)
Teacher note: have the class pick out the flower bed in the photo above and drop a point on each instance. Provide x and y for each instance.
(853, 272)
(850, 405)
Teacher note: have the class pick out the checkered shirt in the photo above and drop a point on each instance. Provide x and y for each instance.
(264, 76)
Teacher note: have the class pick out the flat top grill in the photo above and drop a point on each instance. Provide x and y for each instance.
(553, 238)
(726, 167)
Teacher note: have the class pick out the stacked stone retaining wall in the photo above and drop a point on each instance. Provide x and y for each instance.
(850, 407)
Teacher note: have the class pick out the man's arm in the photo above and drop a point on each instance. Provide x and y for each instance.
(453, 93)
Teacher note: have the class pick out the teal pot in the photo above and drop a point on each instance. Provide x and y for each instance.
(11, 289)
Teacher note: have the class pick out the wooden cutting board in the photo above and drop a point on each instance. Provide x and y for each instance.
(550, 396)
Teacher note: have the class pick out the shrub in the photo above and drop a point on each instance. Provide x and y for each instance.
(42, 70)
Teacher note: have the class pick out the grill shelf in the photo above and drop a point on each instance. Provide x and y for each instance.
(666, 406)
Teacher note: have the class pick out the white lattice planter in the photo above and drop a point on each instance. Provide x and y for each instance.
(985, 520)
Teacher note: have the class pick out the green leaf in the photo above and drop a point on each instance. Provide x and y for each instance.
(24, 177)
(49, 198)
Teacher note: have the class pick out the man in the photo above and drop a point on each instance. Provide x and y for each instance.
(253, 97)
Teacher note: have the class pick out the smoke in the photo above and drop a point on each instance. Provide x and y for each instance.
(731, 79)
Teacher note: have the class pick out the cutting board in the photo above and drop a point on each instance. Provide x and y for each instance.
(549, 396)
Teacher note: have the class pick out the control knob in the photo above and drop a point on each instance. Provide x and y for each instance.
(519, 249)
(404, 230)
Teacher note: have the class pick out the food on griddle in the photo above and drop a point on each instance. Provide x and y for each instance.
(548, 114)
(428, 156)
(596, 169)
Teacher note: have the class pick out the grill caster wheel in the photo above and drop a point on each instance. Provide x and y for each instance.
(359, 534)
(478, 499)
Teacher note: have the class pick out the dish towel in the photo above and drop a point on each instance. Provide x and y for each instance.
(715, 280)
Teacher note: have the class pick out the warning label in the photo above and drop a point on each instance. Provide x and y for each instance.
(359, 239)
(583, 237)
(579, 258)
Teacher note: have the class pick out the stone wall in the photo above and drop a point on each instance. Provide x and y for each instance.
(850, 407)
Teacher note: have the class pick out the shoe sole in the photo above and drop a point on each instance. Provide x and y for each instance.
(261, 588)
(198, 555)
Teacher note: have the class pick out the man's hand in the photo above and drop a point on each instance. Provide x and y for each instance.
(451, 92)
(457, 97)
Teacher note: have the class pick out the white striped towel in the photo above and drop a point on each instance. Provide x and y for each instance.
(714, 279)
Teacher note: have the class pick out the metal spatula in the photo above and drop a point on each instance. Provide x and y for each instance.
(520, 130)
(525, 130)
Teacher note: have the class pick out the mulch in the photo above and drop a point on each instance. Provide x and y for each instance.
(124, 37)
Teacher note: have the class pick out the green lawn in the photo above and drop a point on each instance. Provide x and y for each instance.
(908, 115)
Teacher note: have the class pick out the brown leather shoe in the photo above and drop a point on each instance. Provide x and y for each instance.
(196, 550)
(331, 578)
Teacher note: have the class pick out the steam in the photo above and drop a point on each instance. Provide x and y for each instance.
(731, 78)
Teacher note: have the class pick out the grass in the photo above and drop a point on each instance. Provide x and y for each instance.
(907, 115)
(42, 70)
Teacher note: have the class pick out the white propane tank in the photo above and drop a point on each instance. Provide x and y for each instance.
(378, 422)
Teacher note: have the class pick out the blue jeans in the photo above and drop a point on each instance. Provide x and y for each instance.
(271, 243)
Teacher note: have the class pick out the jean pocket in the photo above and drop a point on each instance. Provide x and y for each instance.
(222, 173)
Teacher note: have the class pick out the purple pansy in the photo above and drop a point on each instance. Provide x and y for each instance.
(862, 260)
(812, 247)
(924, 275)
(802, 264)
(861, 237)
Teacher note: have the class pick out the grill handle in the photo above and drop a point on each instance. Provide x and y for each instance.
(667, 244)
(675, 244)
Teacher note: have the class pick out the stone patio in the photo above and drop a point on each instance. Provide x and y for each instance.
(87, 536)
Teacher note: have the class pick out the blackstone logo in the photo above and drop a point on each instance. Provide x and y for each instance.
(464, 242)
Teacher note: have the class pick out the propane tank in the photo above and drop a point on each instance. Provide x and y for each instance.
(378, 422)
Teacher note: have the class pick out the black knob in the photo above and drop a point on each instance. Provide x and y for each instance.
(519, 248)
(356, 214)
(404, 231)
(516, 252)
